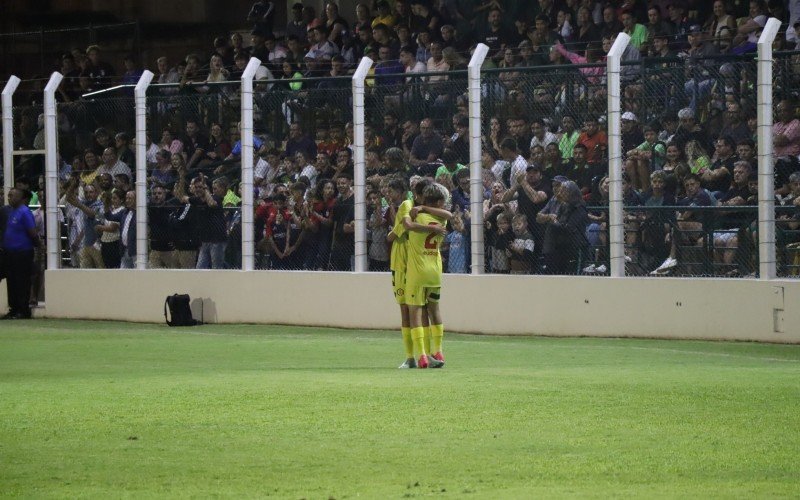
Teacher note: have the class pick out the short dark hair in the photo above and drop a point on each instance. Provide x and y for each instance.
(510, 144)
(419, 188)
(396, 184)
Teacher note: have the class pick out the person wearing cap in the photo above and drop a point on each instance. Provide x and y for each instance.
(700, 68)
(296, 26)
(631, 133)
(551, 207)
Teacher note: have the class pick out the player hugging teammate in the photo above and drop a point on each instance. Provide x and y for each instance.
(416, 266)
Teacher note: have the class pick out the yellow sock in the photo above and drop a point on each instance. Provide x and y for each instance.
(418, 335)
(408, 342)
(427, 339)
(437, 332)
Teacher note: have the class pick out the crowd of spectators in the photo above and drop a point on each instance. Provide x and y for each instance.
(688, 132)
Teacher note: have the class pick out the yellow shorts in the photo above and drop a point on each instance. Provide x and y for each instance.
(399, 285)
(420, 296)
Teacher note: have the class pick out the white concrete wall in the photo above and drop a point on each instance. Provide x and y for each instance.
(664, 307)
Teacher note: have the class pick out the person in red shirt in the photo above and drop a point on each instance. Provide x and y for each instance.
(594, 139)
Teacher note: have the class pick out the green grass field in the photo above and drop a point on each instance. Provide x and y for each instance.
(102, 409)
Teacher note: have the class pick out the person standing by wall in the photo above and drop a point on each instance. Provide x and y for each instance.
(19, 239)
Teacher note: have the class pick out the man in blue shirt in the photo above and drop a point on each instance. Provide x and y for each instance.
(19, 239)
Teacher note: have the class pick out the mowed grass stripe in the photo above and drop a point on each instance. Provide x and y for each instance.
(92, 409)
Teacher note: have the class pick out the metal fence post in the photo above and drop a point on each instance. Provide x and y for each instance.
(248, 244)
(358, 160)
(51, 170)
(616, 229)
(475, 168)
(766, 187)
(8, 134)
(140, 95)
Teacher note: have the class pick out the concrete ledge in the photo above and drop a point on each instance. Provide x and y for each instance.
(737, 309)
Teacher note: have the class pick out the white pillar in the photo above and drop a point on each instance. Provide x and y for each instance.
(248, 244)
(51, 170)
(475, 168)
(766, 175)
(359, 184)
(140, 97)
(8, 135)
(616, 228)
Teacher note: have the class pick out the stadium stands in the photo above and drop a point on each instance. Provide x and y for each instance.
(688, 97)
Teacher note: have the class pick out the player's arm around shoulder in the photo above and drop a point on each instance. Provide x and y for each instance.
(432, 227)
(439, 213)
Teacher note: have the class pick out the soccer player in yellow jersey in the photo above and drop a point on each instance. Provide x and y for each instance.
(424, 271)
(398, 258)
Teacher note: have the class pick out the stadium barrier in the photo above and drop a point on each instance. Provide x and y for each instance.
(743, 309)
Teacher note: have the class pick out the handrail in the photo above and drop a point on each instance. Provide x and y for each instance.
(66, 30)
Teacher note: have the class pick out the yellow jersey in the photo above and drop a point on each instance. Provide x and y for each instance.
(399, 256)
(424, 267)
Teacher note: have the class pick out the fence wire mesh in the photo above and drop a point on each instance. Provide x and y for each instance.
(786, 91)
(194, 176)
(533, 121)
(683, 121)
(681, 117)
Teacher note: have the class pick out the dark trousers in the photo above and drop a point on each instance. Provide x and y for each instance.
(19, 266)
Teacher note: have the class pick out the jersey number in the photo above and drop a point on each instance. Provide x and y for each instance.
(429, 243)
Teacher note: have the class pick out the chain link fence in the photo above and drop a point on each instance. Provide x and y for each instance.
(543, 129)
(786, 96)
(533, 119)
(431, 141)
(194, 198)
(683, 120)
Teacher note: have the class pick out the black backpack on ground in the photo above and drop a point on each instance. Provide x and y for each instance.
(179, 311)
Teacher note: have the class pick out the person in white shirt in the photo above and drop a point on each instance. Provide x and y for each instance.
(510, 153)
(112, 165)
(437, 63)
(307, 169)
(541, 136)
